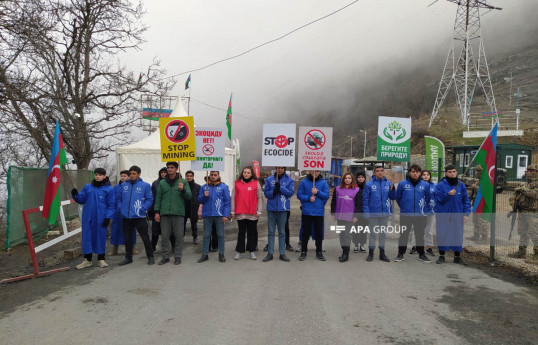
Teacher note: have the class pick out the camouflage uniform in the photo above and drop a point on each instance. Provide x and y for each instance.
(527, 196)
(481, 226)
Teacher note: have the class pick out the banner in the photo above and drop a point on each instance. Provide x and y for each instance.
(315, 148)
(278, 144)
(177, 139)
(155, 114)
(210, 149)
(435, 150)
(394, 139)
(256, 167)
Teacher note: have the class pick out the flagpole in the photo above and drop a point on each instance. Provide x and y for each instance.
(486, 138)
(189, 102)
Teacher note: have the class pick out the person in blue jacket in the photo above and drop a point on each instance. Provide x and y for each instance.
(377, 208)
(116, 233)
(413, 197)
(313, 192)
(428, 232)
(134, 201)
(452, 209)
(216, 201)
(278, 191)
(99, 206)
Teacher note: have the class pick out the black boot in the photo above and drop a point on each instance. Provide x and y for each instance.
(382, 255)
(370, 256)
(345, 254)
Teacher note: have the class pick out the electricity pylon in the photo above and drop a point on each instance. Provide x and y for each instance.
(464, 71)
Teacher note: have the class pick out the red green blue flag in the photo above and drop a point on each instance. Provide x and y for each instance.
(58, 158)
(187, 82)
(485, 157)
(229, 119)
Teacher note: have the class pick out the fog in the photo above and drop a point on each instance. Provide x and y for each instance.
(334, 72)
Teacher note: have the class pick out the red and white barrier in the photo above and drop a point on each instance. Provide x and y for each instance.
(34, 250)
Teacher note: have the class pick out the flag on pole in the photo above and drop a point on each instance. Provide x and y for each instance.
(58, 158)
(485, 157)
(256, 166)
(187, 82)
(139, 79)
(229, 119)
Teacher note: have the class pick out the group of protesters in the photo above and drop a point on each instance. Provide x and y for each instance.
(361, 208)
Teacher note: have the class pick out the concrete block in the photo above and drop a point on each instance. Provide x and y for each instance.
(71, 254)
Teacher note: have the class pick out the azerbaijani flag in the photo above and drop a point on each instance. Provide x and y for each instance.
(485, 157)
(51, 204)
(229, 118)
(187, 82)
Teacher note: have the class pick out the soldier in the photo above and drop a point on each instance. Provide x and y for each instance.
(480, 225)
(527, 197)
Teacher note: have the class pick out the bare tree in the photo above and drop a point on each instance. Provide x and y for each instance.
(59, 62)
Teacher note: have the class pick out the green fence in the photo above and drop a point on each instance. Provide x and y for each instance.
(26, 189)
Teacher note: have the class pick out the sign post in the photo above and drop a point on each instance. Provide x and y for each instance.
(394, 139)
(177, 139)
(315, 148)
(210, 149)
(278, 144)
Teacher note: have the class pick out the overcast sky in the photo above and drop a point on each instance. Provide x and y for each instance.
(312, 70)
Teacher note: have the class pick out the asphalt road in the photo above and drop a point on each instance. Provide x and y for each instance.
(251, 302)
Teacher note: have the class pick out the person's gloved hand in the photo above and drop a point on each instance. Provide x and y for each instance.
(74, 192)
(277, 187)
(106, 223)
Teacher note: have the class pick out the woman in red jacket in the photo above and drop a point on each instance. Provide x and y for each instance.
(247, 205)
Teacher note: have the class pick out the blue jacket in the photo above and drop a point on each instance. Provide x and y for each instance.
(218, 203)
(280, 201)
(433, 187)
(375, 198)
(457, 203)
(99, 203)
(134, 199)
(304, 192)
(413, 200)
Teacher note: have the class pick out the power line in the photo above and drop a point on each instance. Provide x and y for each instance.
(248, 117)
(265, 43)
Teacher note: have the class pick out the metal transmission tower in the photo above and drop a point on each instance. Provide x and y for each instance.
(464, 71)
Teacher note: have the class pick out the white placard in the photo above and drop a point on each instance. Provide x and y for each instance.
(315, 148)
(278, 144)
(210, 149)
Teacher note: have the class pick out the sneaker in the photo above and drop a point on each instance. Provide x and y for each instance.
(202, 258)
(177, 261)
(266, 247)
(430, 252)
(268, 257)
(222, 258)
(370, 258)
(102, 263)
(458, 260)
(151, 260)
(298, 249)
(440, 260)
(84, 264)
(238, 256)
(362, 249)
(195, 240)
(303, 256)
(283, 257)
(253, 256)
(399, 258)
(320, 257)
(356, 250)
(413, 250)
(424, 258)
(289, 248)
(126, 262)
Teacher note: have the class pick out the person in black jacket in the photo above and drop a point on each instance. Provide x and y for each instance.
(191, 206)
(359, 238)
(155, 226)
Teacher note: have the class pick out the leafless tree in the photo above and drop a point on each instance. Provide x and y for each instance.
(60, 62)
